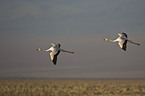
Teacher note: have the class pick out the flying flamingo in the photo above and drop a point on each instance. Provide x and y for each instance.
(54, 52)
(122, 40)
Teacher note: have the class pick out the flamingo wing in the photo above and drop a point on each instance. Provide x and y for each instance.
(53, 56)
(124, 45)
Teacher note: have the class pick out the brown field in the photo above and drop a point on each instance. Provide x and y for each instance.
(72, 87)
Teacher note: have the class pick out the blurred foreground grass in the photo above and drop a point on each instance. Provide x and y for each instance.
(72, 87)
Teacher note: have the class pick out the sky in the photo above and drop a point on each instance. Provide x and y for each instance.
(79, 26)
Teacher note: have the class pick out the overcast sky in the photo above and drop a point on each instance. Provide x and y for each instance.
(79, 26)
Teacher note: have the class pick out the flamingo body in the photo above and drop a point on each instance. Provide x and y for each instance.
(122, 41)
(54, 52)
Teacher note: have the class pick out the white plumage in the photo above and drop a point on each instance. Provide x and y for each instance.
(54, 52)
(122, 41)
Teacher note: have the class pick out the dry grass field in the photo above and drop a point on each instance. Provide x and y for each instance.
(72, 87)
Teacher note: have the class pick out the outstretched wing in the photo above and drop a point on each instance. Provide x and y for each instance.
(53, 56)
(55, 52)
(59, 45)
(124, 45)
(124, 35)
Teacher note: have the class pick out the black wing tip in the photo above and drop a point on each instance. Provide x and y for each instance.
(124, 45)
(54, 62)
(55, 58)
(124, 49)
(125, 34)
(59, 45)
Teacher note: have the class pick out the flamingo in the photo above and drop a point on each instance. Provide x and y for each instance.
(54, 52)
(122, 40)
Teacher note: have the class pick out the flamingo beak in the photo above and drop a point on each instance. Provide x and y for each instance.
(39, 49)
(105, 39)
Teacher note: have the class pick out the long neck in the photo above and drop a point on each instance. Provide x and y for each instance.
(111, 40)
(48, 50)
